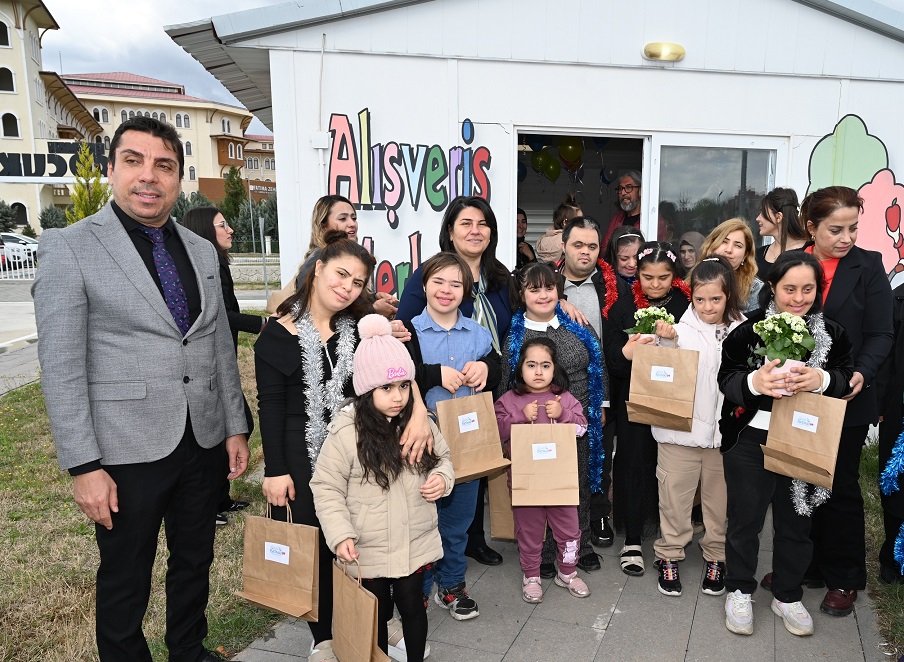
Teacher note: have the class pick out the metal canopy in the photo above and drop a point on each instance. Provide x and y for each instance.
(867, 14)
(244, 68)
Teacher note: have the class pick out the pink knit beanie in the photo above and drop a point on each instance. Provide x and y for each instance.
(380, 359)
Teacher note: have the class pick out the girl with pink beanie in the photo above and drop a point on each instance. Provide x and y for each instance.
(373, 506)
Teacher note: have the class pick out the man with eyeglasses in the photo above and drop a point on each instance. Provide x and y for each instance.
(628, 194)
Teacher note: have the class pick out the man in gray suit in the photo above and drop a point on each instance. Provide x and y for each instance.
(142, 388)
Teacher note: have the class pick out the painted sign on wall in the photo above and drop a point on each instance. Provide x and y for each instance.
(392, 175)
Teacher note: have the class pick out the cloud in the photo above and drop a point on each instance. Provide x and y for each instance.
(101, 36)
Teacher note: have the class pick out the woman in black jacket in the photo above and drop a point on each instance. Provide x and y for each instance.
(794, 286)
(209, 223)
(858, 297)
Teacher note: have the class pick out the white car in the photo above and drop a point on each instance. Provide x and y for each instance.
(19, 249)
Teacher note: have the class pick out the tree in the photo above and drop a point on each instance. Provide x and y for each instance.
(267, 209)
(52, 217)
(29, 231)
(236, 196)
(89, 195)
(8, 218)
(184, 203)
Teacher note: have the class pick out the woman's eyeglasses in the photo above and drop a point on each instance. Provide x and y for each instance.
(221, 224)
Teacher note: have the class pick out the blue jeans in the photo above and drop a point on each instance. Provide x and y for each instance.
(455, 512)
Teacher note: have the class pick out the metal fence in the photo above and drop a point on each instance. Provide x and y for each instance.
(17, 262)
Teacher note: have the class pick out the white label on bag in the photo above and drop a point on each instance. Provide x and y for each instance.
(544, 451)
(468, 422)
(662, 373)
(273, 551)
(803, 421)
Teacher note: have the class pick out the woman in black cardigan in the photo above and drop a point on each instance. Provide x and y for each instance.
(858, 298)
(794, 285)
(209, 223)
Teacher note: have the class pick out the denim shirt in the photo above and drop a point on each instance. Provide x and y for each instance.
(465, 341)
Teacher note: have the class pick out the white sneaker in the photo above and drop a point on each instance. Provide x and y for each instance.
(738, 612)
(397, 649)
(796, 617)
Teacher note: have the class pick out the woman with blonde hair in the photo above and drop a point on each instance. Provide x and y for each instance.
(733, 240)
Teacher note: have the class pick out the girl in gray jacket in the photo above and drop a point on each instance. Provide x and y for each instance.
(373, 506)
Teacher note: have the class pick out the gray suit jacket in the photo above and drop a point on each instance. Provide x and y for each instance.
(118, 376)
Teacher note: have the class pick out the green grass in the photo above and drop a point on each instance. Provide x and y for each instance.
(888, 600)
(50, 558)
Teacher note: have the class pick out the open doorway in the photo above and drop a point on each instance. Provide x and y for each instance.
(552, 166)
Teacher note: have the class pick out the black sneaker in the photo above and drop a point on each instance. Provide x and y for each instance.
(601, 533)
(589, 562)
(714, 578)
(547, 570)
(456, 599)
(669, 582)
(235, 506)
(221, 520)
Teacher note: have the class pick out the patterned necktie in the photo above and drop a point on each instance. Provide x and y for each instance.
(173, 292)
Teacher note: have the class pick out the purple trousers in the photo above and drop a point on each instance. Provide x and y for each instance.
(530, 527)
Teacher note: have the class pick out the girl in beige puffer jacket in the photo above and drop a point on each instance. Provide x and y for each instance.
(372, 505)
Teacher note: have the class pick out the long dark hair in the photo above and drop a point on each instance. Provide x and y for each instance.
(200, 221)
(786, 261)
(784, 201)
(337, 245)
(717, 269)
(498, 277)
(559, 376)
(378, 442)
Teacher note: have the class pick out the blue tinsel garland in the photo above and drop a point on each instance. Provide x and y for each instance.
(888, 482)
(595, 384)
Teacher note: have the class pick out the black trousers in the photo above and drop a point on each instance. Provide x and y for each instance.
(751, 489)
(839, 531)
(407, 595)
(476, 535)
(182, 491)
(636, 490)
(600, 506)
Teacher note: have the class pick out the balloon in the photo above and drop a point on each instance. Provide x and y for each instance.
(539, 159)
(571, 148)
(552, 169)
(600, 142)
(571, 166)
(603, 178)
(536, 144)
(522, 171)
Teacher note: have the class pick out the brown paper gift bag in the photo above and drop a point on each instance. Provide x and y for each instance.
(355, 614)
(469, 427)
(663, 384)
(502, 524)
(804, 432)
(280, 568)
(544, 465)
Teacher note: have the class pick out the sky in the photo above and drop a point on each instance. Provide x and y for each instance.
(127, 35)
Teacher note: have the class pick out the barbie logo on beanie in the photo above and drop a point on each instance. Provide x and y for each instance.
(380, 359)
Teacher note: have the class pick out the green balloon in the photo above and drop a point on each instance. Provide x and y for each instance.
(537, 160)
(552, 169)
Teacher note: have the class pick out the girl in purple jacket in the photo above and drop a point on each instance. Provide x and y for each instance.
(540, 396)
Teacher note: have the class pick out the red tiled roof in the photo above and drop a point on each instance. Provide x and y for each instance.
(258, 138)
(138, 94)
(125, 77)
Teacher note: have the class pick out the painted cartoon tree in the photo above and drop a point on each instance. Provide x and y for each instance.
(89, 194)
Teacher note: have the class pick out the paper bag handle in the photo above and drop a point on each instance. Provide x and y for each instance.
(288, 510)
(455, 395)
(345, 565)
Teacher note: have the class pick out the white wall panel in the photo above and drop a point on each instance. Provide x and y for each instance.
(495, 28)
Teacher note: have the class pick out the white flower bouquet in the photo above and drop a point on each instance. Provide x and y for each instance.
(786, 336)
(646, 318)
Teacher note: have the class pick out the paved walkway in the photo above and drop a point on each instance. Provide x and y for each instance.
(625, 620)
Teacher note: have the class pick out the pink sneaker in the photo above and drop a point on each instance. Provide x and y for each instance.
(573, 583)
(532, 590)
